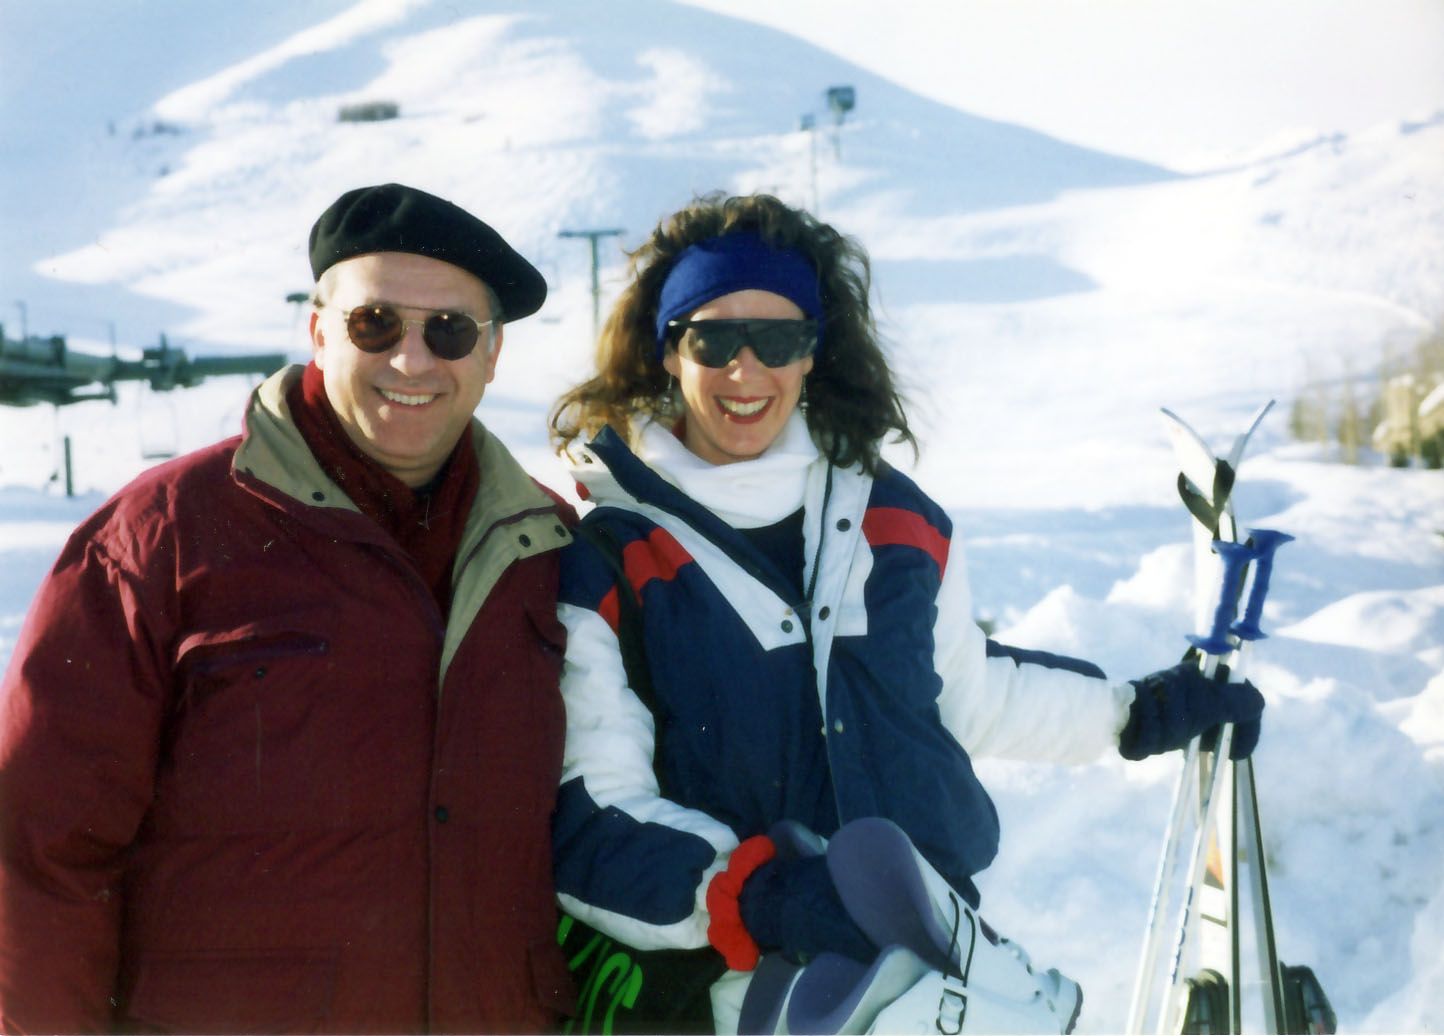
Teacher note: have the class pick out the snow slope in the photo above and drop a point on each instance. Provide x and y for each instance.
(1043, 301)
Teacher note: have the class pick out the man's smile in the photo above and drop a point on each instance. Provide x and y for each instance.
(406, 399)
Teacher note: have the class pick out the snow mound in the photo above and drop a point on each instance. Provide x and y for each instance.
(1424, 722)
(1382, 620)
(1161, 582)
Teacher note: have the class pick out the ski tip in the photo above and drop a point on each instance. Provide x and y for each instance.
(1258, 417)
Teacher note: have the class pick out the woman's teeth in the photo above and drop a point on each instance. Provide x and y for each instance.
(740, 408)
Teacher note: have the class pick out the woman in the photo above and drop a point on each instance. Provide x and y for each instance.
(767, 624)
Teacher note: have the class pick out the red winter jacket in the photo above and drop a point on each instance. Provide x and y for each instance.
(250, 780)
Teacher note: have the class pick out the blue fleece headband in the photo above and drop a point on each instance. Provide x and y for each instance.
(735, 262)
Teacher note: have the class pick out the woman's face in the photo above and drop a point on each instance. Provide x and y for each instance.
(735, 412)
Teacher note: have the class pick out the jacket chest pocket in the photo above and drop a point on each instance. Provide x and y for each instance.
(246, 745)
(213, 663)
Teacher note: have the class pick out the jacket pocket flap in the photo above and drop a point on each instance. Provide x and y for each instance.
(554, 985)
(234, 990)
(203, 652)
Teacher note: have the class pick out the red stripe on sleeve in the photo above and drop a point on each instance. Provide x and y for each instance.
(659, 556)
(894, 526)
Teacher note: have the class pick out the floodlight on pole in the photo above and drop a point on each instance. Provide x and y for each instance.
(593, 236)
(840, 100)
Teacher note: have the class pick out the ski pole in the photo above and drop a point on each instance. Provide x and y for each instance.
(1172, 1004)
(1205, 485)
(1159, 903)
(1260, 550)
(1268, 959)
(1216, 646)
(1190, 775)
(1219, 649)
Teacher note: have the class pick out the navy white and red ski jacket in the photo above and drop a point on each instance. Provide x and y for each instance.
(867, 698)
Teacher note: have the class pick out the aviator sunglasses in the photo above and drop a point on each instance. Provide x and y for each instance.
(714, 343)
(375, 329)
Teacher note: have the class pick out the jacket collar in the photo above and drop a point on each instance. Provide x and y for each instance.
(636, 479)
(746, 494)
(511, 517)
(273, 451)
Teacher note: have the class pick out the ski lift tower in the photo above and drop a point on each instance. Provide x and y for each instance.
(840, 101)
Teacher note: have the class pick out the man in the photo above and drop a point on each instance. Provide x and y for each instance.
(281, 736)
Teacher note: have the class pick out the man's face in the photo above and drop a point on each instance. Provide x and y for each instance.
(404, 408)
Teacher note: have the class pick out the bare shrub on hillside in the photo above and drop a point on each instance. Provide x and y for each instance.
(1400, 412)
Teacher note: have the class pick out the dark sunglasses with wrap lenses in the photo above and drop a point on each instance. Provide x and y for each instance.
(714, 343)
(376, 329)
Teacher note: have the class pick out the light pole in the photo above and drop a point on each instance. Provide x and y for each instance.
(592, 237)
(841, 100)
(806, 123)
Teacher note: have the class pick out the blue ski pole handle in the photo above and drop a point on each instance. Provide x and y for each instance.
(1236, 557)
(1264, 542)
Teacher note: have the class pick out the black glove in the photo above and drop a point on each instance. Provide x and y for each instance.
(792, 906)
(1173, 706)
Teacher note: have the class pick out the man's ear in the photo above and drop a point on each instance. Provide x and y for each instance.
(495, 352)
(318, 342)
(670, 364)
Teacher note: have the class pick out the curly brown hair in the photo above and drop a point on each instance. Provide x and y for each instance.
(850, 401)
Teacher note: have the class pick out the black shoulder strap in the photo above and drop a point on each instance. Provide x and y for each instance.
(629, 616)
(673, 984)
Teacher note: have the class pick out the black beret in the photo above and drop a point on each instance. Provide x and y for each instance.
(396, 218)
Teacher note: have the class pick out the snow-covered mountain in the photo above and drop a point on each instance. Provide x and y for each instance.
(1043, 301)
(562, 116)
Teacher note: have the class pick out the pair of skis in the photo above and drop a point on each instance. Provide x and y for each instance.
(1200, 959)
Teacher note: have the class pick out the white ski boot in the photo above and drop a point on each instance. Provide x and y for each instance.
(939, 1003)
(901, 993)
(898, 899)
